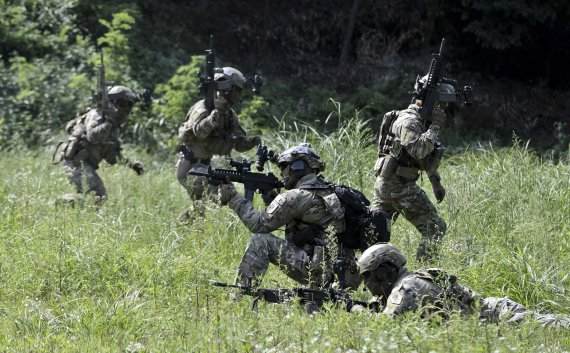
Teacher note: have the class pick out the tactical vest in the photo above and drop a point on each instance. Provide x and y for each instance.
(453, 296)
(407, 166)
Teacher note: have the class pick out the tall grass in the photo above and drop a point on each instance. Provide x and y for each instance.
(126, 277)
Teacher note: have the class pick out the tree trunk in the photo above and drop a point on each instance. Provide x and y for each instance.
(348, 32)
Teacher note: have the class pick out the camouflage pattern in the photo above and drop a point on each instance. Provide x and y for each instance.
(395, 189)
(95, 138)
(418, 291)
(310, 202)
(194, 185)
(504, 309)
(206, 134)
(79, 172)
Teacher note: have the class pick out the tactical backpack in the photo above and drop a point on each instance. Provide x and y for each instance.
(363, 226)
(68, 149)
(386, 136)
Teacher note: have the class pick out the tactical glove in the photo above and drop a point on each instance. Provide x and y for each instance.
(217, 117)
(438, 189)
(268, 197)
(255, 140)
(138, 167)
(221, 104)
(113, 118)
(438, 117)
(226, 192)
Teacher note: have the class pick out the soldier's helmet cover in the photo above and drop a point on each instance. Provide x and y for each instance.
(441, 87)
(379, 254)
(117, 93)
(228, 78)
(301, 152)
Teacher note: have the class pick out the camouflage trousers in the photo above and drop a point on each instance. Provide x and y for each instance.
(504, 309)
(194, 185)
(306, 266)
(397, 195)
(81, 171)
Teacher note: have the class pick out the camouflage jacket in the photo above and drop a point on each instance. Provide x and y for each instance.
(413, 141)
(205, 138)
(310, 202)
(98, 138)
(429, 291)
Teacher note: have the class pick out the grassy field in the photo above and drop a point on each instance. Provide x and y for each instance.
(126, 277)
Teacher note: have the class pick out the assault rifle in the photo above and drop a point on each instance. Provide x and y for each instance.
(207, 83)
(101, 98)
(310, 296)
(428, 92)
(242, 174)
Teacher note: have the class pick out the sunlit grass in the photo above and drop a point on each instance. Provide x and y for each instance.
(127, 277)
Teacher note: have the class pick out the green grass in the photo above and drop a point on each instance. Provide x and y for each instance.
(126, 277)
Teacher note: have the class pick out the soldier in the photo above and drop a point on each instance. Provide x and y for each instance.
(311, 213)
(94, 136)
(383, 269)
(409, 147)
(206, 133)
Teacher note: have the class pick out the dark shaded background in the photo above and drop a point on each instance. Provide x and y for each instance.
(515, 53)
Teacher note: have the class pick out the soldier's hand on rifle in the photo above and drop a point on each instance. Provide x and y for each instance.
(268, 197)
(438, 117)
(438, 189)
(114, 120)
(226, 192)
(138, 167)
(221, 104)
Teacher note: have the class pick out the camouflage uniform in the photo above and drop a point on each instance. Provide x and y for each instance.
(204, 135)
(395, 189)
(434, 291)
(311, 202)
(418, 291)
(93, 139)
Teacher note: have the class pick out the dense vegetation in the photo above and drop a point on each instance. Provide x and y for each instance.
(127, 277)
(364, 54)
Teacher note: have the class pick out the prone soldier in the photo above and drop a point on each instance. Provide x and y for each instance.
(384, 272)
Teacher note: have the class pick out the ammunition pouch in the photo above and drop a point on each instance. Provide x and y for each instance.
(59, 153)
(311, 235)
(388, 166)
(188, 155)
(67, 150)
(408, 173)
(72, 148)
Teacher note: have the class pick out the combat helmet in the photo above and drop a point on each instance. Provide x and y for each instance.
(446, 91)
(301, 152)
(228, 78)
(117, 93)
(378, 254)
